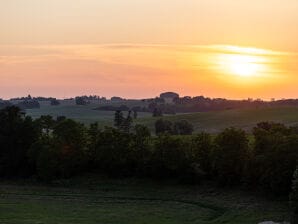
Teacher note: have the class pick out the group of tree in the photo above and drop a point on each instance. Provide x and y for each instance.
(188, 104)
(81, 101)
(51, 148)
(29, 97)
(124, 123)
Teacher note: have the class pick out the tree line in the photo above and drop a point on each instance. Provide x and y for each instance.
(49, 148)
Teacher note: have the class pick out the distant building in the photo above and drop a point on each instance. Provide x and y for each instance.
(169, 96)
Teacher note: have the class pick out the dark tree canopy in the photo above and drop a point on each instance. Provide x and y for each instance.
(49, 149)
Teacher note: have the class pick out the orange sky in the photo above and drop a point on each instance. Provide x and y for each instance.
(139, 48)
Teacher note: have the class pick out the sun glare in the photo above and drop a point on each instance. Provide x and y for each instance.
(242, 65)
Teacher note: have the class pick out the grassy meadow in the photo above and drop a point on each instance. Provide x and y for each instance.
(211, 122)
(215, 121)
(100, 200)
(85, 114)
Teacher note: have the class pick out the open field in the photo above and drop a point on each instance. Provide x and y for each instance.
(94, 200)
(206, 121)
(246, 119)
(85, 114)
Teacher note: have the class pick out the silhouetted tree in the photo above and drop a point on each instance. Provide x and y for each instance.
(46, 123)
(118, 119)
(127, 123)
(80, 101)
(135, 114)
(17, 134)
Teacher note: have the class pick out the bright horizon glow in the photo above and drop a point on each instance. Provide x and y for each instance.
(141, 71)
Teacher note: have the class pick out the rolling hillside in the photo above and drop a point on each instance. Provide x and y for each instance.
(218, 120)
(205, 121)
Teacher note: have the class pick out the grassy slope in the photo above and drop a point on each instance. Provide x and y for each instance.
(85, 114)
(90, 200)
(205, 121)
(247, 118)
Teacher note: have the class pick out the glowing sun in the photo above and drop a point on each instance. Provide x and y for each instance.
(242, 65)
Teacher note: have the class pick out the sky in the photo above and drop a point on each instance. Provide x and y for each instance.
(139, 48)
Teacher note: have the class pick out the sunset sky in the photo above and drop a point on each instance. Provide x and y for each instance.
(139, 48)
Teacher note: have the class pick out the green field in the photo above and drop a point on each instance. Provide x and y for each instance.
(206, 121)
(85, 114)
(246, 119)
(128, 201)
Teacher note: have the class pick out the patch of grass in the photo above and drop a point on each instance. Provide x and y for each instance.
(100, 200)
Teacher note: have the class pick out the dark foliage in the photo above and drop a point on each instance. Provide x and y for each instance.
(81, 101)
(274, 157)
(17, 134)
(61, 148)
(230, 155)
